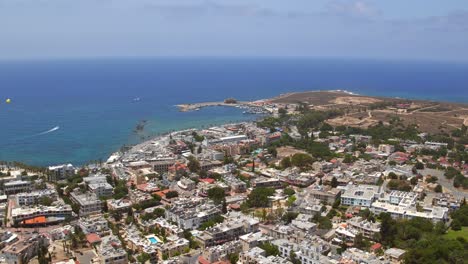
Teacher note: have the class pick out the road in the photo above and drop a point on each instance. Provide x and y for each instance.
(446, 183)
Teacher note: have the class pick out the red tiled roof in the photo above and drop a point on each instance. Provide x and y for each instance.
(178, 166)
(93, 238)
(234, 206)
(376, 246)
(162, 193)
(202, 260)
(208, 180)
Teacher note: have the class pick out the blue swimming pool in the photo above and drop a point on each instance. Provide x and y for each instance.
(153, 240)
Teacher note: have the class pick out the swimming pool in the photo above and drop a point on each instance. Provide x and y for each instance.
(153, 240)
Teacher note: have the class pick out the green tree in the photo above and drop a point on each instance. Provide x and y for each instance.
(233, 258)
(388, 229)
(456, 225)
(324, 223)
(282, 112)
(270, 249)
(143, 257)
(289, 216)
(293, 258)
(302, 160)
(172, 194)
(440, 228)
(392, 175)
(419, 166)
(286, 162)
(289, 191)
(193, 164)
(259, 197)
(217, 194)
(334, 182)
(359, 241)
(291, 200)
(45, 200)
(348, 159)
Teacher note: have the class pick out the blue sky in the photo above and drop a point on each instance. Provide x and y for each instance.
(389, 29)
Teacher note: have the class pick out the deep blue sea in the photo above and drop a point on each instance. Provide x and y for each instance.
(91, 101)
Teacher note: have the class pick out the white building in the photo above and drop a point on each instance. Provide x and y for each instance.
(119, 205)
(56, 213)
(252, 240)
(190, 214)
(435, 213)
(97, 224)
(19, 186)
(387, 149)
(95, 178)
(257, 255)
(402, 198)
(28, 198)
(365, 227)
(435, 145)
(61, 172)
(89, 203)
(303, 223)
(110, 251)
(221, 252)
(232, 228)
(22, 251)
(101, 189)
(307, 252)
(360, 195)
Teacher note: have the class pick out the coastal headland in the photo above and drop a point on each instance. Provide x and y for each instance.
(360, 110)
(255, 107)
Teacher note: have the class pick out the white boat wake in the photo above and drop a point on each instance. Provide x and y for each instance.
(48, 131)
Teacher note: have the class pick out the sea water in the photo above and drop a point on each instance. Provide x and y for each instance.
(82, 110)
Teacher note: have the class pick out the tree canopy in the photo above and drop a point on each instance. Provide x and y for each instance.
(259, 197)
(217, 194)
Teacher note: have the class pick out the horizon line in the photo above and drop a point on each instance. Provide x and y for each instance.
(231, 57)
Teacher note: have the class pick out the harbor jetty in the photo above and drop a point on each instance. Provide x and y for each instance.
(198, 106)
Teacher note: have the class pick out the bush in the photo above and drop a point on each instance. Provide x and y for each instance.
(172, 194)
(301, 160)
(419, 166)
(392, 175)
(289, 216)
(289, 191)
(400, 185)
(456, 225)
(270, 249)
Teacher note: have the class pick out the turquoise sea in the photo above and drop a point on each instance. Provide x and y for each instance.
(81, 110)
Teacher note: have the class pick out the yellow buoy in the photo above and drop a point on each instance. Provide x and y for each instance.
(8, 101)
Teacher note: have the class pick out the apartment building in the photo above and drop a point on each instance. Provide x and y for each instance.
(89, 203)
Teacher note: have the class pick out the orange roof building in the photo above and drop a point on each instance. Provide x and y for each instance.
(36, 220)
(93, 238)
